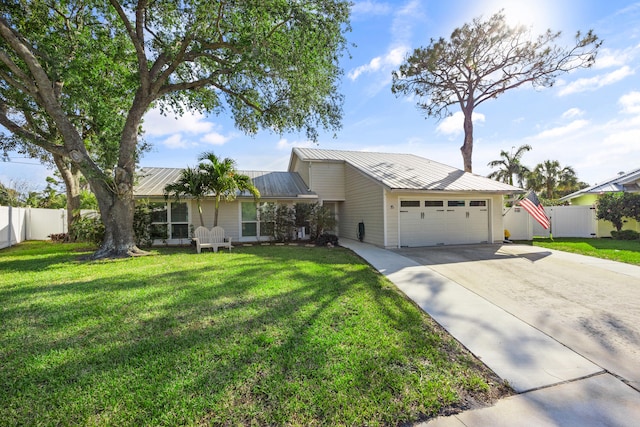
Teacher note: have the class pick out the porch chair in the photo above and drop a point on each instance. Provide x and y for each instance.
(202, 237)
(218, 240)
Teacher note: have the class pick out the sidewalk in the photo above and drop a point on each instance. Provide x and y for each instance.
(556, 386)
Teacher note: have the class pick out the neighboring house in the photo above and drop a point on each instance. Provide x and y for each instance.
(402, 199)
(623, 182)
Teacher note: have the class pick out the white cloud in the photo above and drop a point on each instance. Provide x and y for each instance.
(402, 26)
(155, 124)
(563, 130)
(391, 59)
(453, 125)
(608, 58)
(625, 141)
(630, 103)
(401, 32)
(370, 8)
(594, 83)
(572, 112)
(215, 138)
(175, 141)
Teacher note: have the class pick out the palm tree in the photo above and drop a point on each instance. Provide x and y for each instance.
(191, 183)
(222, 178)
(550, 179)
(510, 165)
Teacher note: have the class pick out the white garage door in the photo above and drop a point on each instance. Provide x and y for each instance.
(428, 222)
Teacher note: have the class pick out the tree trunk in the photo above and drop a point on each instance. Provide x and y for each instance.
(71, 177)
(115, 194)
(467, 147)
(215, 212)
(200, 212)
(116, 212)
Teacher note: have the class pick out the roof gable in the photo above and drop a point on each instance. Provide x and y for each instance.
(406, 171)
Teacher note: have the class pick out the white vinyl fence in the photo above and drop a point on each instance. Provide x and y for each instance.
(566, 221)
(18, 224)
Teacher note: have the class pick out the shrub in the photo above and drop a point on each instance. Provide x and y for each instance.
(611, 208)
(327, 238)
(279, 221)
(614, 207)
(59, 237)
(322, 219)
(625, 235)
(88, 228)
(142, 224)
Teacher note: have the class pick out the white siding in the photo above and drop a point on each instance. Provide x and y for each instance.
(301, 167)
(496, 220)
(364, 202)
(327, 180)
(228, 216)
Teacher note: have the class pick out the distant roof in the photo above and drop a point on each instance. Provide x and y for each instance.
(624, 181)
(285, 185)
(407, 171)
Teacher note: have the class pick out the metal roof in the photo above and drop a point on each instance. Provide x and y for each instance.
(283, 185)
(629, 181)
(407, 171)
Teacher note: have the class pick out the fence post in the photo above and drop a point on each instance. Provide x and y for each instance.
(10, 225)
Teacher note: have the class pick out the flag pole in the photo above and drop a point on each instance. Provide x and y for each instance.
(514, 203)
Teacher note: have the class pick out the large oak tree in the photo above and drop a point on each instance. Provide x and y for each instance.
(481, 61)
(270, 64)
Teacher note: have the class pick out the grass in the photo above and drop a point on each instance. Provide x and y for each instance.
(261, 336)
(627, 251)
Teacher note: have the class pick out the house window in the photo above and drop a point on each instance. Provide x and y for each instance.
(409, 203)
(478, 203)
(169, 220)
(252, 224)
(179, 220)
(454, 203)
(249, 220)
(433, 203)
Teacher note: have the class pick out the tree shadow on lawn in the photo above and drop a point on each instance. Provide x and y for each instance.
(206, 344)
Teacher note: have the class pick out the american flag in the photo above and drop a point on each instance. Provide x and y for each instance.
(531, 204)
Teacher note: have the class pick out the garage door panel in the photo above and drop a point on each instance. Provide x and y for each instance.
(437, 222)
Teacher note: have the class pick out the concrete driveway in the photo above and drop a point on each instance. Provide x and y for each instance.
(591, 306)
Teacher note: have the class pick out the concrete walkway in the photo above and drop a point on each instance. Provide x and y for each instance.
(556, 386)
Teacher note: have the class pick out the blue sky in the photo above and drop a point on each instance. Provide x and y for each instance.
(589, 120)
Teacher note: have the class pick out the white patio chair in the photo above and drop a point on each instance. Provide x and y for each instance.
(202, 237)
(218, 240)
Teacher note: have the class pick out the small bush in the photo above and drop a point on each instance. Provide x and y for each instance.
(625, 235)
(59, 237)
(326, 238)
(142, 224)
(88, 229)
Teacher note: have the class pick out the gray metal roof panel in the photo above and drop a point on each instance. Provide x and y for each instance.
(151, 183)
(408, 171)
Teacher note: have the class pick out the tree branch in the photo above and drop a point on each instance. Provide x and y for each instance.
(31, 136)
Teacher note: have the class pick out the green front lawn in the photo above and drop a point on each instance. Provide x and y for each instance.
(617, 250)
(261, 336)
